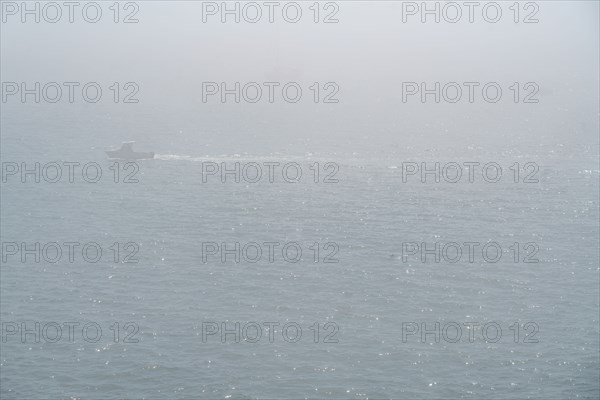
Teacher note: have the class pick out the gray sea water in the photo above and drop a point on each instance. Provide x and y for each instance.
(367, 295)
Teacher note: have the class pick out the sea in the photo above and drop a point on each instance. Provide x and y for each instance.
(369, 300)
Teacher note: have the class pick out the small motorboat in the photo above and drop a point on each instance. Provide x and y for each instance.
(126, 153)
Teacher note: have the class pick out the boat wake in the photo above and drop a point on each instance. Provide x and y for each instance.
(229, 157)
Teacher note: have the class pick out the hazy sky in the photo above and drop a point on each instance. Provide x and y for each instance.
(368, 54)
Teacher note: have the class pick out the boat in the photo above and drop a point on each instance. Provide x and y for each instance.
(126, 153)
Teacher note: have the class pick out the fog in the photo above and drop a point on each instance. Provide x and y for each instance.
(369, 53)
(335, 204)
